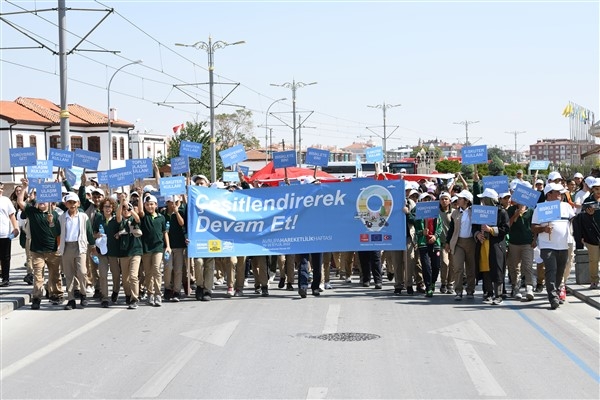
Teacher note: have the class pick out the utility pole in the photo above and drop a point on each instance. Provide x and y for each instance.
(300, 126)
(466, 124)
(516, 133)
(385, 136)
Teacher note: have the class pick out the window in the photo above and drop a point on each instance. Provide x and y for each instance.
(122, 147)
(94, 144)
(55, 141)
(76, 142)
(114, 148)
(19, 140)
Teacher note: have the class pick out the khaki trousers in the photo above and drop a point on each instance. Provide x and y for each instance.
(108, 263)
(260, 271)
(446, 268)
(464, 264)
(205, 273)
(151, 262)
(594, 258)
(73, 263)
(130, 267)
(520, 257)
(173, 275)
(52, 260)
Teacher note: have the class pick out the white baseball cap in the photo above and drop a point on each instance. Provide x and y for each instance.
(98, 190)
(578, 175)
(172, 198)
(554, 186)
(554, 175)
(70, 197)
(465, 194)
(150, 198)
(589, 181)
(149, 188)
(425, 195)
(489, 193)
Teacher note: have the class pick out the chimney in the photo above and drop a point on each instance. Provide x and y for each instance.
(113, 114)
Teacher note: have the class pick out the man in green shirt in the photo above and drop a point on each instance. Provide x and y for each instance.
(521, 243)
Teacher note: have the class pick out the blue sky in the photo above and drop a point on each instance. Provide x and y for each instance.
(513, 66)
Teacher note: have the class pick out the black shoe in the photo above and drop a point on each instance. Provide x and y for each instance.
(28, 279)
(554, 304)
(264, 291)
(77, 294)
(281, 282)
(390, 276)
(289, 287)
(71, 305)
(398, 291)
(35, 304)
(302, 292)
(421, 288)
(539, 288)
(114, 297)
(5, 284)
(443, 289)
(168, 294)
(199, 293)
(316, 292)
(83, 302)
(257, 290)
(97, 294)
(127, 300)
(207, 296)
(378, 286)
(410, 291)
(366, 284)
(104, 304)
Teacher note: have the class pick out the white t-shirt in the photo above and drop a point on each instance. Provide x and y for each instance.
(6, 209)
(579, 197)
(559, 239)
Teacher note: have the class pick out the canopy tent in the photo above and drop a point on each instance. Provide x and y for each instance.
(271, 174)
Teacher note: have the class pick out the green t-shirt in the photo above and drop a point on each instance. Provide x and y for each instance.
(520, 230)
(153, 228)
(177, 233)
(111, 227)
(129, 245)
(43, 238)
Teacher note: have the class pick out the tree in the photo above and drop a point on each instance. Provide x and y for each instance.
(193, 132)
(447, 166)
(496, 167)
(234, 129)
(498, 152)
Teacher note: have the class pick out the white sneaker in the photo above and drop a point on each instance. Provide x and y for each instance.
(219, 281)
(89, 290)
(246, 283)
(517, 294)
(157, 301)
(150, 300)
(529, 293)
(348, 280)
(328, 285)
(230, 292)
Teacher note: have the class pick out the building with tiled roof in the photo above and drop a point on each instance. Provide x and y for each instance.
(32, 122)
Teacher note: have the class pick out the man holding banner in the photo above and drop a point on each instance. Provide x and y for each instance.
(551, 220)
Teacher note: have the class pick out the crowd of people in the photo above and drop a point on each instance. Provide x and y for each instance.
(74, 246)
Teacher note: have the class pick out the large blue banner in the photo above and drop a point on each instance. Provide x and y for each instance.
(172, 185)
(190, 149)
(548, 211)
(120, 177)
(180, 165)
(296, 219)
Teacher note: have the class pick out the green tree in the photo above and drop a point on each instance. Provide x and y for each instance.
(447, 166)
(193, 132)
(496, 167)
(236, 128)
(498, 152)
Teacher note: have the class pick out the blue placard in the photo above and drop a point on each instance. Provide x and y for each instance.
(484, 215)
(120, 177)
(539, 165)
(103, 177)
(283, 159)
(317, 157)
(61, 158)
(22, 156)
(245, 170)
(358, 164)
(374, 154)
(233, 155)
(172, 185)
(292, 182)
(498, 183)
(474, 155)
(70, 176)
(427, 209)
(180, 165)
(526, 196)
(296, 219)
(42, 169)
(230, 176)
(51, 191)
(86, 159)
(142, 167)
(160, 198)
(190, 149)
(547, 211)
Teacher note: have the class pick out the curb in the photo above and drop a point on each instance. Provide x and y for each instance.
(586, 299)
(13, 302)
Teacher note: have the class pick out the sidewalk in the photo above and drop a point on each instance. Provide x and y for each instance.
(18, 294)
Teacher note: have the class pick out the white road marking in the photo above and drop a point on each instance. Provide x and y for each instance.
(332, 318)
(467, 330)
(217, 335)
(49, 348)
(482, 378)
(159, 381)
(316, 393)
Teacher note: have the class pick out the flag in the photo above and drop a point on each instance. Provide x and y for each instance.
(177, 129)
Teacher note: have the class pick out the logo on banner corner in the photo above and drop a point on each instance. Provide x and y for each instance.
(374, 206)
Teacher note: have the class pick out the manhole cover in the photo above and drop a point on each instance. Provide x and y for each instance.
(346, 337)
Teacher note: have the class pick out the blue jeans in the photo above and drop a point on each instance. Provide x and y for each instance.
(316, 261)
(430, 260)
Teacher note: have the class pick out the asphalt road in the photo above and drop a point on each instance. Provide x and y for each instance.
(283, 347)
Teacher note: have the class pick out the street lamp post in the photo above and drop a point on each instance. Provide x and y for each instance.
(110, 144)
(294, 85)
(210, 48)
(267, 125)
(384, 107)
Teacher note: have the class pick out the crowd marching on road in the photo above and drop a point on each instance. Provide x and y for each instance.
(92, 245)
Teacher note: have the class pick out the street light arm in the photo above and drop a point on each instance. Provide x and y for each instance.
(302, 84)
(126, 65)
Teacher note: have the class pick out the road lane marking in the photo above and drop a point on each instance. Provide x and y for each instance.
(467, 330)
(218, 335)
(482, 378)
(161, 379)
(332, 319)
(49, 348)
(315, 393)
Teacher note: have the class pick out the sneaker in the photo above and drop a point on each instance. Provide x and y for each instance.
(150, 300)
(246, 283)
(175, 299)
(390, 276)
(554, 304)
(219, 281)
(157, 301)
(378, 286)
(257, 290)
(230, 292)
(55, 300)
(281, 283)
(539, 288)
(421, 288)
(449, 289)
(35, 304)
(77, 294)
(127, 300)
(348, 280)
(458, 297)
(488, 299)
(289, 287)
(83, 302)
(310, 276)
(517, 294)
(114, 297)
(316, 292)
(562, 294)
(398, 291)
(409, 290)
(133, 305)
(168, 294)
(443, 289)
(328, 285)
(89, 290)
(271, 276)
(594, 285)
(97, 294)
(238, 293)
(302, 292)
(71, 305)
(264, 291)
(429, 293)
(366, 284)
(28, 279)
(497, 300)
(470, 296)
(104, 304)
(529, 293)
(207, 296)
(199, 293)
